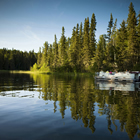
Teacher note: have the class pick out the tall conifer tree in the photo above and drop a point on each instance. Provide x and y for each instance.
(72, 48)
(63, 47)
(121, 48)
(55, 45)
(81, 46)
(39, 57)
(45, 53)
(92, 40)
(131, 25)
(86, 49)
(109, 29)
(99, 57)
(138, 37)
(109, 49)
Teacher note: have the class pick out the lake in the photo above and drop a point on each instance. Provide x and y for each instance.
(65, 107)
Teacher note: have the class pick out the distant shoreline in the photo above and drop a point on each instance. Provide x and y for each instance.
(45, 72)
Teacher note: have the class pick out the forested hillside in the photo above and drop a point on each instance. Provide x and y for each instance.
(118, 49)
(16, 60)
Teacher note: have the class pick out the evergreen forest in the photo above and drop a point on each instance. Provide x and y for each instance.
(16, 60)
(118, 49)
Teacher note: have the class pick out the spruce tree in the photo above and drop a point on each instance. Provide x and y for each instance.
(109, 29)
(76, 47)
(63, 48)
(113, 44)
(110, 49)
(68, 43)
(45, 54)
(121, 47)
(86, 49)
(132, 46)
(92, 40)
(50, 55)
(72, 48)
(138, 37)
(55, 45)
(81, 47)
(39, 57)
(100, 53)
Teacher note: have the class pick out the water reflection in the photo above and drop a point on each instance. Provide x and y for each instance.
(15, 85)
(81, 94)
(117, 101)
(121, 86)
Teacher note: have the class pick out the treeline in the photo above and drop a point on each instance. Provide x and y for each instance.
(16, 60)
(118, 49)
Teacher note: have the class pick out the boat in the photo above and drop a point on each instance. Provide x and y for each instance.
(133, 76)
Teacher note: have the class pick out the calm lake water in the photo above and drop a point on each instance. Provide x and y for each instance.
(61, 107)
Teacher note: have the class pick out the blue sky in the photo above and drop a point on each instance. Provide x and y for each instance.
(26, 24)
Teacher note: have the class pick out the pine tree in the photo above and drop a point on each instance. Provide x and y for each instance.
(121, 47)
(113, 35)
(92, 40)
(100, 52)
(113, 43)
(55, 45)
(72, 48)
(63, 48)
(39, 57)
(81, 47)
(45, 54)
(68, 44)
(109, 29)
(76, 47)
(110, 48)
(132, 46)
(86, 49)
(50, 56)
(138, 37)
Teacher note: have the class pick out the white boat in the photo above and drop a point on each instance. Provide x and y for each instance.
(118, 76)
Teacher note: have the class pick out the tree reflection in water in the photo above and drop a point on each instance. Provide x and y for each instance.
(81, 95)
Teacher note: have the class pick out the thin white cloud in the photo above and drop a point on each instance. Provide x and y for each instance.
(30, 34)
(60, 15)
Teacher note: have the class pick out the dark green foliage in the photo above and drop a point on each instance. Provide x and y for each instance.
(92, 41)
(109, 29)
(121, 48)
(132, 43)
(45, 54)
(39, 57)
(55, 46)
(63, 47)
(100, 53)
(86, 48)
(16, 60)
(138, 37)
